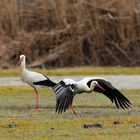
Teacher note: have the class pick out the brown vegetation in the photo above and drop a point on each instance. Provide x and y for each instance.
(70, 32)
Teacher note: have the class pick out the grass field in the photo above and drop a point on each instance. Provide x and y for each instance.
(77, 71)
(20, 121)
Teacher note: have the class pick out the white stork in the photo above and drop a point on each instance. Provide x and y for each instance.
(66, 90)
(30, 77)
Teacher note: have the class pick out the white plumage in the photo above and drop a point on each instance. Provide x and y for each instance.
(82, 84)
(66, 90)
(30, 77)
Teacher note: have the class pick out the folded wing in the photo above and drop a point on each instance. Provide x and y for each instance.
(46, 82)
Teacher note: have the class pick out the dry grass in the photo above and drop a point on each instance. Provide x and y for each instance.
(18, 119)
(100, 32)
(75, 71)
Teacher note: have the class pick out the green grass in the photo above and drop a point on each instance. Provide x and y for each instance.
(19, 120)
(76, 71)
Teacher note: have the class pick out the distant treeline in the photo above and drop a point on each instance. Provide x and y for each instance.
(70, 32)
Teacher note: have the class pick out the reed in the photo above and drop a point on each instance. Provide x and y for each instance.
(100, 32)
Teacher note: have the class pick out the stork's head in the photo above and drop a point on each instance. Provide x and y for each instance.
(21, 60)
(94, 84)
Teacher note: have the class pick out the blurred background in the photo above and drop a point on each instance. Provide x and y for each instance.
(68, 33)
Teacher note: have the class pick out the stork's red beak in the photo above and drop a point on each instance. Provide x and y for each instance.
(100, 87)
(18, 63)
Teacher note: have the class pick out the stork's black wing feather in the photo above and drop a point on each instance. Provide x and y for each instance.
(46, 82)
(64, 97)
(112, 93)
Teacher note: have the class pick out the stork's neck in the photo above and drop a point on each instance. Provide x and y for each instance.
(22, 66)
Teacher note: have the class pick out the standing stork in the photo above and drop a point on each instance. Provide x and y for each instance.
(30, 77)
(66, 90)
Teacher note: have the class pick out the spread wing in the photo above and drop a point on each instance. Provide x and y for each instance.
(112, 93)
(64, 96)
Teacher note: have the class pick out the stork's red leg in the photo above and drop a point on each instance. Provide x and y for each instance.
(74, 112)
(37, 98)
